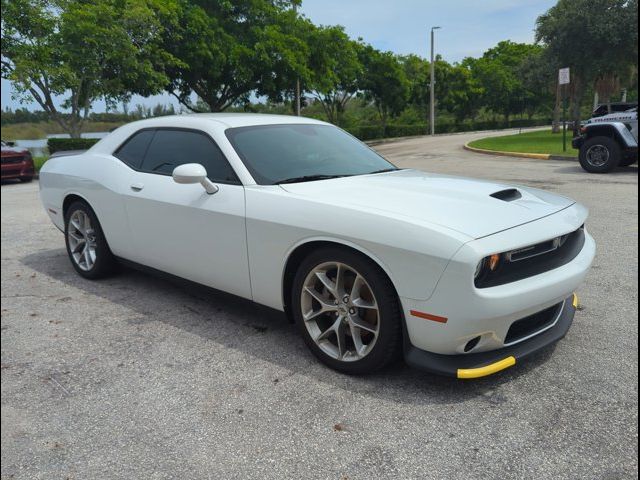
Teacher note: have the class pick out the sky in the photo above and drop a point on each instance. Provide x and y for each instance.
(469, 27)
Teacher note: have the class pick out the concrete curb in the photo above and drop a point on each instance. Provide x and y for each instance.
(381, 141)
(535, 156)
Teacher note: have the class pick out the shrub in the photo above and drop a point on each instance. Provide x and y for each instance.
(64, 144)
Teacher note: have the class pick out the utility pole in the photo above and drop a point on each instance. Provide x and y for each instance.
(432, 87)
(295, 9)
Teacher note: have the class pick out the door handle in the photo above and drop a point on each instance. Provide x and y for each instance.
(136, 187)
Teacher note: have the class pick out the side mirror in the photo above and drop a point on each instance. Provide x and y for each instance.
(194, 173)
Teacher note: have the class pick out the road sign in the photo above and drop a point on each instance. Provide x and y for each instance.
(564, 76)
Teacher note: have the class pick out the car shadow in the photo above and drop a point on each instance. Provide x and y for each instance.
(618, 172)
(227, 320)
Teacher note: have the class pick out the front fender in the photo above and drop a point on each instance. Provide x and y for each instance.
(617, 130)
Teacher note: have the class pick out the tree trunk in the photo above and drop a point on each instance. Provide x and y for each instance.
(576, 102)
(75, 130)
(557, 108)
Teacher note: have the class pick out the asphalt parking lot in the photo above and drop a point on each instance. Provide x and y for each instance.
(138, 377)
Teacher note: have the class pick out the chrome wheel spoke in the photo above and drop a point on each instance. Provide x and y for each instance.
(325, 303)
(341, 340)
(357, 339)
(361, 303)
(363, 325)
(328, 283)
(77, 225)
(78, 246)
(87, 257)
(329, 331)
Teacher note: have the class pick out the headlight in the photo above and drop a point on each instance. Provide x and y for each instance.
(488, 264)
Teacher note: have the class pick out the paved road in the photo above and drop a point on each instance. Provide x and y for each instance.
(135, 377)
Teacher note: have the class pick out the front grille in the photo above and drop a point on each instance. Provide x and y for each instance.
(537, 259)
(13, 159)
(533, 323)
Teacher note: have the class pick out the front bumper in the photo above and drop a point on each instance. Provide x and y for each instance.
(478, 365)
(23, 169)
(577, 142)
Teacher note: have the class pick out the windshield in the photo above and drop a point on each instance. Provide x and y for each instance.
(280, 153)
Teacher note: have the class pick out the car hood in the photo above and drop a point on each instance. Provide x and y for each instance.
(12, 151)
(461, 204)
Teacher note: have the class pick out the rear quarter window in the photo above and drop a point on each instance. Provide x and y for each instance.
(132, 151)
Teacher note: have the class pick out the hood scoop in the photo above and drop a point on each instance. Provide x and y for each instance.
(508, 195)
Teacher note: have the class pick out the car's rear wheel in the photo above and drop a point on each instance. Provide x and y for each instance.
(600, 155)
(347, 311)
(86, 245)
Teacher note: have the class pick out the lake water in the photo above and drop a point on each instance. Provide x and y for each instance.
(39, 147)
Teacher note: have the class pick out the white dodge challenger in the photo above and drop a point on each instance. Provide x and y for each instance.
(463, 277)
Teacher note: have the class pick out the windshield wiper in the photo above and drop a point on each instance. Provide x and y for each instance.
(385, 170)
(308, 178)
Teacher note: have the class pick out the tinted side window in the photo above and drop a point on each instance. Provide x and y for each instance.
(134, 149)
(170, 148)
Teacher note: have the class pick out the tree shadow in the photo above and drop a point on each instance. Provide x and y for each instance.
(230, 321)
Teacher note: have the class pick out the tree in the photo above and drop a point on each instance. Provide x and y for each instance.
(384, 83)
(416, 70)
(82, 51)
(595, 38)
(463, 94)
(334, 70)
(539, 82)
(227, 50)
(498, 71)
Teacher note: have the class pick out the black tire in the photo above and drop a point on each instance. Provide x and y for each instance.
(26, 179)
(628, 161)
(609, 159)
(387, 346)
(105, 263)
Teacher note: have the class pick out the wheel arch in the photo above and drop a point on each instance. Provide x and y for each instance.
(68, 200)
(299, 252)
(71, 197)
(607, 130)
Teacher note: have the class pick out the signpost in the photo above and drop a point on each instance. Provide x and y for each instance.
(564, 78)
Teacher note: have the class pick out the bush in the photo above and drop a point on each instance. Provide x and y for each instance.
(65, 144)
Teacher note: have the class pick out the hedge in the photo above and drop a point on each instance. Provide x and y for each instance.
(373, 132)
(64, 144)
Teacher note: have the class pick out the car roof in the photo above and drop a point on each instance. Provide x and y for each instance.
(228, 120)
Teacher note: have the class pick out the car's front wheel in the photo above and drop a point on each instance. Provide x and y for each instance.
(86, 244)
(347, 311)
(600, 155)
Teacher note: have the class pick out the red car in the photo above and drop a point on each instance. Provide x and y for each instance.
(16, 163)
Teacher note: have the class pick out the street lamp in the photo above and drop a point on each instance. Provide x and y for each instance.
(432, 87)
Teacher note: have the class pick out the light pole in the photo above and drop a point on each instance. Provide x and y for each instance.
(295, 9)
(432, 87)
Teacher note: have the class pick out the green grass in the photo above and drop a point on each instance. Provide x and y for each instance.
(39, 161)
(542, 141)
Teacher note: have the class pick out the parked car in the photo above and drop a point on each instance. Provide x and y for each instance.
(465, 277)
(608, 142)
(16, 163)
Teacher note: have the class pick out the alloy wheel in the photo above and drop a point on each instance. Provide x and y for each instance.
(340, 311)
(82, 240)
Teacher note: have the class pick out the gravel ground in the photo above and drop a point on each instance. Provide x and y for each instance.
(138, 377)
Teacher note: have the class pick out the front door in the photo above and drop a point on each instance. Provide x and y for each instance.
(181, 229)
